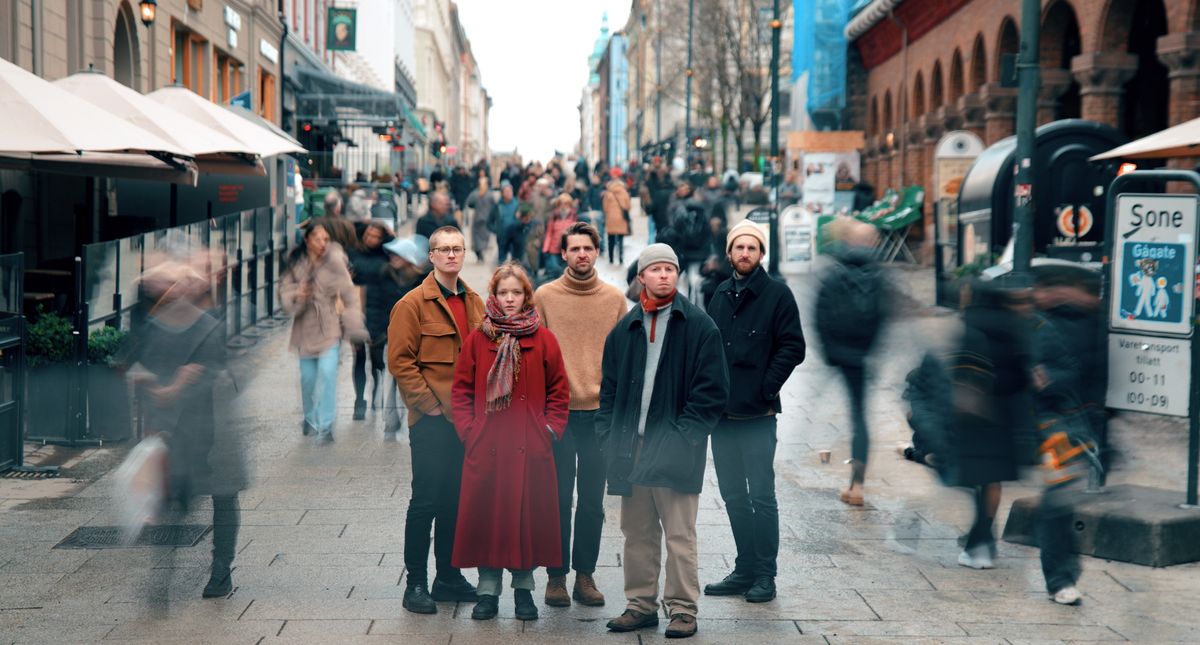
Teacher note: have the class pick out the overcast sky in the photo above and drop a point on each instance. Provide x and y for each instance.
(533, 58)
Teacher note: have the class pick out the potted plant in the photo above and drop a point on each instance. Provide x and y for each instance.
(48, 381)
(109, 407)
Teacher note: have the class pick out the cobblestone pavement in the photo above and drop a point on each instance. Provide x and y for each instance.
(320, 550)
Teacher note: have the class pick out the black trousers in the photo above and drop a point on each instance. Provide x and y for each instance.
(580, 470)
(856, 386)
(378, 365)
(226, 521)
(1056, 538)
(744, 457)
(437, 460)
(616, 243)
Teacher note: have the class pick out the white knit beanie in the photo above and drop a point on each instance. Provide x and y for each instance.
(746, 227)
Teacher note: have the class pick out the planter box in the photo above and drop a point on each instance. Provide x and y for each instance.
(109, 416)
(47, 409)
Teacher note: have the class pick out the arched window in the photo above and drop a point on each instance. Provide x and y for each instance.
(937, 88)
(888, 123)
(978, 64)
(874, 118)
(956, 77)
(918, 97)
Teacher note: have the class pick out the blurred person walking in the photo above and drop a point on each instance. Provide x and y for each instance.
(581, 309)
(511, 236)
(368, 264)
(760, 323)
(851, 311)
(990, 375)
(484, 218)
(510, 406)
(664, 386)
(616, 205)
(317, 291)
(561, 218)
(438, 216)
(425, 336)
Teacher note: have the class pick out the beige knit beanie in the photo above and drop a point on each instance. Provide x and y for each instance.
(746, 227)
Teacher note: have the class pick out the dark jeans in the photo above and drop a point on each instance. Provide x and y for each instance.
(744, 456)
(437, 459)
(512, 243)
(226, 521)
(981, 533)
(616, 243)
(361, 350)
(1056, 538)
(856, 385)
(580, 469)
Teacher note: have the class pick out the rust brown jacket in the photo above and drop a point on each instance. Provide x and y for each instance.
(423, 346)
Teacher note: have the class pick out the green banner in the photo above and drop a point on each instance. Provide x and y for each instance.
(341, 28)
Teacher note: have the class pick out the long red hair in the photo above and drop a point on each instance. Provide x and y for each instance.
(512, 269)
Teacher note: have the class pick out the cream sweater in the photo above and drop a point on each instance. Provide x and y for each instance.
(580, 313)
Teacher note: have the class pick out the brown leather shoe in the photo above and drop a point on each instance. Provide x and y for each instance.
(682, 626)
(632, 620)
(556, 592)
(586, 592)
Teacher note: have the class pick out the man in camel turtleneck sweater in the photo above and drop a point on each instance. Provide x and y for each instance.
(580, 309)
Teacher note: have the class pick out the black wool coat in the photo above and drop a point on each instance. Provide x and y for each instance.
(762, 339)
(690, 390)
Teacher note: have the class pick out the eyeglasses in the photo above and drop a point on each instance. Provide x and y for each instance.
(450, 250)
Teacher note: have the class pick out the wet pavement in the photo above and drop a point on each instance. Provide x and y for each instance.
(320, 549)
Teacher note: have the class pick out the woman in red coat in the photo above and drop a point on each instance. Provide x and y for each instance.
(510, 400)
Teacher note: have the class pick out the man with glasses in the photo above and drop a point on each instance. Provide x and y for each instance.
(425, 335)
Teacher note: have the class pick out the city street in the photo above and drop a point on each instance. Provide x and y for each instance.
(320, 550)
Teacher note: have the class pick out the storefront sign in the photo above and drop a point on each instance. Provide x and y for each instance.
(1154, 263)
(268, 51)
(1149, 374)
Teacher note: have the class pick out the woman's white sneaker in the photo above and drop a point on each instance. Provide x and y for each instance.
(979, 557)
(1067, 596)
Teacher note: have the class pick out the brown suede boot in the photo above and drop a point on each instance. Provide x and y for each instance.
(556, 592)
(586, 592)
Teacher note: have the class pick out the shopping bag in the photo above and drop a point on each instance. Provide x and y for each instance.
(141, 486)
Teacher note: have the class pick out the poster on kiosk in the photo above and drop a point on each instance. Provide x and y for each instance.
(1152, 303)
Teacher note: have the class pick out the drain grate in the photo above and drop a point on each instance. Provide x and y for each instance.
(109, 537)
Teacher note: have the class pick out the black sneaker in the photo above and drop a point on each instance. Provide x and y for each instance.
(417, 600)
(451, 590)
(525, 609)
(487, 607)
(220, 583)
(360, 410)
(734, 584)
(763, 590)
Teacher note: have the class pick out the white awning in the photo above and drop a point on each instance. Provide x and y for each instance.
(264, 142)
(104, 164)
(1182, 140)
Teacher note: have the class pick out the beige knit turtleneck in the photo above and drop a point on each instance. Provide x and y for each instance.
(580, 313)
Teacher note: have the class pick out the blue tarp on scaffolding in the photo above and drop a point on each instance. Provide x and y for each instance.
(819, 51)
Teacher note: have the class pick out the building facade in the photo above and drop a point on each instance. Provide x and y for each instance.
(221, 50)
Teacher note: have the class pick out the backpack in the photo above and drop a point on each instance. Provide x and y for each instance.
(850, 310)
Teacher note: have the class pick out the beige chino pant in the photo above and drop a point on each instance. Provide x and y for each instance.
(645, 516)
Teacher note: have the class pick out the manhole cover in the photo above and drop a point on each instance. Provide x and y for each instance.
(109, 537)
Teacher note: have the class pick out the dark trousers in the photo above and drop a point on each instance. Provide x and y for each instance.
(616, 243)
(226, 521)
(361, 350)
(437, 459)
(580, 470)
(856, 386)
(512, 243)
(1056, 538)
(744, 456)
(981, 533)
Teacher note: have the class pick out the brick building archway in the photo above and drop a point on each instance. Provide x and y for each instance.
(1060, 43)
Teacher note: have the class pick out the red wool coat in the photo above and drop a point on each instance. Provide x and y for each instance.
(508, 507)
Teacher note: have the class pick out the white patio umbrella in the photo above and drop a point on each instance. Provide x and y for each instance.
(1182, 140)
(214, 151)
(261, 140)
(40, 117)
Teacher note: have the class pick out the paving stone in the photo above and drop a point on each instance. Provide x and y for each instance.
(882, 628)
(1034, 631)
(330, 629)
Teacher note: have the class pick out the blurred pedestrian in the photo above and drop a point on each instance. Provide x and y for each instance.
(483, 218)
(439, 215)
(664, 386)
(461, 185)
(561, 218)
(616, 207)
(581, 309)
(407, 266)
(760, 323)
(511, 236)
(317, 291)
(851, 310)
(425, 335)
(510, 405)
(992, 431)
(178, 365)
(368, 264)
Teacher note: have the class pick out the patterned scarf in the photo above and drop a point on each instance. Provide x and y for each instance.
(652, 305)
(504, 331)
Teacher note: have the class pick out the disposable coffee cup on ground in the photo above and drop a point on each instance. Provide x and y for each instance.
(825, 455)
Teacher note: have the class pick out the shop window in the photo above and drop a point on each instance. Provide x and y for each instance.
(188, 59)
(228, 81)
(266, 94)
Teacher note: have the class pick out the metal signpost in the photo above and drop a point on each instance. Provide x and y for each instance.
(1152, 304)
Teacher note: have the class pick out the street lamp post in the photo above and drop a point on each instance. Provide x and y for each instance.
(776, 26)
(1029, 77)
(687, 109)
